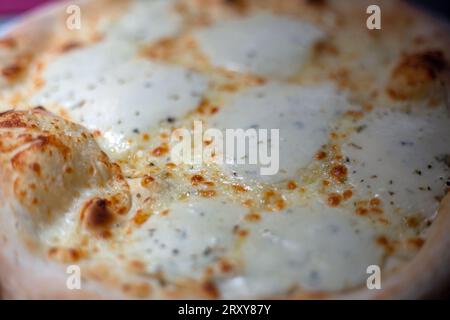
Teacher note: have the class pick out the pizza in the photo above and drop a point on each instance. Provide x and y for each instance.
(349, 180)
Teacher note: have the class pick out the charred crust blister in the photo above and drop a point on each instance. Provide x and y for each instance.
(97, 214)
(43, 151)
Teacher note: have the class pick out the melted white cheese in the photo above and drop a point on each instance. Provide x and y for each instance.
(105, 87)
(116, 94)
(193, 235)
(88, 63)
(134, 24)
(316, 248)
(264, 44)
(302, 114)
(399, 157)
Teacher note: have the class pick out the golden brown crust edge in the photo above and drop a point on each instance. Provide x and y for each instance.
(46, 163)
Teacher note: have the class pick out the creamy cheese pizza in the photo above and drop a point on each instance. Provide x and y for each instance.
(92, 93)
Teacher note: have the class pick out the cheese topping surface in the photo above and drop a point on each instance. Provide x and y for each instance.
(263, 44)
(302, 114)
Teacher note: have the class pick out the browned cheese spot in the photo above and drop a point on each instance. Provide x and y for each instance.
(415, 75)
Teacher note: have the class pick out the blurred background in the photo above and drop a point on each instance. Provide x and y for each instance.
(438, 7)
(11, 8)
